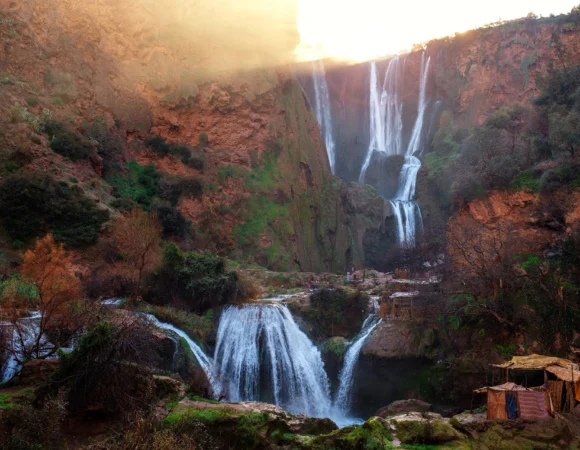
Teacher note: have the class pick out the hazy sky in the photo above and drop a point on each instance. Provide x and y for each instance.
(363, 29)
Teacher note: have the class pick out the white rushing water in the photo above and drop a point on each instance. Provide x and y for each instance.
(262, 346)
(386, 136)
(322, 107)
(22, 341)
(346, 377)
(204, 361)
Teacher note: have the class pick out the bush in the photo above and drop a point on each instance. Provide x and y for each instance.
(203, 139)
(335, 312)
(173, 222)
(560, 177)
(172, 189)
(109, 144)
(32, 100)
(108, 367)
(198, 280)
(158, 145)
(67, 143)
(526, 181)
(138, 183)
(34, 205)
(196, 162)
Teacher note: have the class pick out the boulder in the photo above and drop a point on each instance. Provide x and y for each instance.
(424, 428)
(404, 406)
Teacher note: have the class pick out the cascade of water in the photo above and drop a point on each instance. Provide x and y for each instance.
(346, 378)
(386, 114)
(252, 338)
(323, 114)
(407, 212)
(21, 341)
(204, 361)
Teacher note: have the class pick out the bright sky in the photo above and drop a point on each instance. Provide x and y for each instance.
(364, 29)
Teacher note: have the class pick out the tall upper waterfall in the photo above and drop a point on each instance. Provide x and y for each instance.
(386, 136)
(260, 351)
(322, 104)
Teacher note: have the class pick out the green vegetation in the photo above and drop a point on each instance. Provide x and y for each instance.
(526, 181)
(34, 205)
(183, 152)
(203, 139)
(527, 61)
(198, 280)
(137, 183)
(197, 327)
(231, 171)
(66, 142)
(371, 435)
(31, 100)
(335, 346)
(336, 312)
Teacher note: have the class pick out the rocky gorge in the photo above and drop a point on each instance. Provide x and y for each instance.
(386, 229)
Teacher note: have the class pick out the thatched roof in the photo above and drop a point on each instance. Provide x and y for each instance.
(564, 369)
(509, 386)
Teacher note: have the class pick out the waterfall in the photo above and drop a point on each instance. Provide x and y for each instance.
(346, 378)
(323, 114)
(258, 345)
(204, 361)
(386, 114)
(386, 136)
(407, 213)
(21, 341)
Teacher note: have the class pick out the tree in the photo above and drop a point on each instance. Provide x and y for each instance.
(137, 239)
(49, 287)
(565, 131)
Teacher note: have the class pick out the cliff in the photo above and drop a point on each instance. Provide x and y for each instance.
(146, 70)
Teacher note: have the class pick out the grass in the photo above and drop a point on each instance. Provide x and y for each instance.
(197, 327)
(526, 181)
(139, 183)
(232, 171)
(5, 402)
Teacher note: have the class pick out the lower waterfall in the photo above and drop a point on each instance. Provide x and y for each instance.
(346, 378)
(261, 346)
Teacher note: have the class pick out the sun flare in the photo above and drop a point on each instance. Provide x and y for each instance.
(366, 29)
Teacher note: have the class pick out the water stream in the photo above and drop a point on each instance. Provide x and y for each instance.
(322, 108)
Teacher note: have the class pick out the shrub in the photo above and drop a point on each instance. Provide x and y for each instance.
(173, 222)
(203, 139)
(158, 145)
(109, 367)
(558, 177)
(31, 100)
(34, 205)
(66, 142)
(109, 144)
(138, 183)
(336, 312)
(196, 161)
(199, 280)
(172, 189)
(526, 181)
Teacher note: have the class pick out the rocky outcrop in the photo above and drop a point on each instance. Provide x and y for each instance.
(403, 406)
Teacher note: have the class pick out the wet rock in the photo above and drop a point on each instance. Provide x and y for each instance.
(404, 406)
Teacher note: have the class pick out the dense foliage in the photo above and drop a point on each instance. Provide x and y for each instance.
(34, 205)
(336, 312)
(196, 280)
(67, 142)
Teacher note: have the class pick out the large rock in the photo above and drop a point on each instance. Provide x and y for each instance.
(393, 340)
(425, 428)
(404, 406)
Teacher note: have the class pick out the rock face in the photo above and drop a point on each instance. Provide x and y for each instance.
(403, 406)
(144, 70)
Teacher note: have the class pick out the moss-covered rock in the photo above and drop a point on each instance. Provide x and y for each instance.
(372, 435)
(425, 428)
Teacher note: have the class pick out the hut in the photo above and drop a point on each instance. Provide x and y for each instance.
(559, 393)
